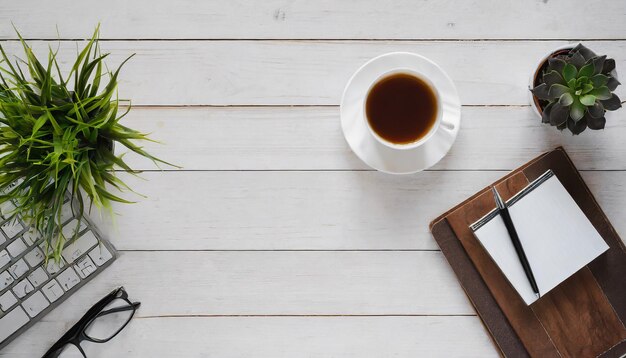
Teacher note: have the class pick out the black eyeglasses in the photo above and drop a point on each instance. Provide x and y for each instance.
(102, 322)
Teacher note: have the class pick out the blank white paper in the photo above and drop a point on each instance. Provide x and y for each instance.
(557, 238)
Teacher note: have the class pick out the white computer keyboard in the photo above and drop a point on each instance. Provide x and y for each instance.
(30, 288)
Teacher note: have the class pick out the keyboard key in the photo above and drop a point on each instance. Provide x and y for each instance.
(7, 209)
(79, 247)
(38, 277)
(52, 290)
(9, 188)
(34, 257)
(70, 228)
(66, 213)
(100, 255)
(4, 258)
(68, 279)
(23, 288)
(7, 301)
(18, 269)
(11, 228)
(35, 304)
(53, 267)
(31, 236)
(5, 280)
(16, 247)
(85, 267)
(12, 321)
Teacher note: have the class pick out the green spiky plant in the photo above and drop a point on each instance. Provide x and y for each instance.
(57, 136)
(576, 89)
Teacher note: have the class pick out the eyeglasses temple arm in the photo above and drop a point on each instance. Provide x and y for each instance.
(118, 309)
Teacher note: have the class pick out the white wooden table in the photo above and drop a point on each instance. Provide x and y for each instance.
(275, 240)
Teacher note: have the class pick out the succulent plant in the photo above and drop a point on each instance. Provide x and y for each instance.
(576, 89)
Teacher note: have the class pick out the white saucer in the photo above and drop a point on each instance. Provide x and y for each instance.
(382, 157)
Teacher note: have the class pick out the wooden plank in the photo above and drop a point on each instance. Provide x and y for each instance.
(306, 138)
(287, 210)
(191, 283)
(575, 334)
(276, 337)
(305, 210)
(282, 19)
(311, 73)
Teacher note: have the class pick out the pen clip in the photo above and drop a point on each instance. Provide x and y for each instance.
(498, 198)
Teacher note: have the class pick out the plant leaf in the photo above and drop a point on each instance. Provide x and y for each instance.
(587, 100)
(556, 64)
(587, 87)
(586, 71)
(612, 103)
(572, 84)
(612, 83)
(557, 90)
(569, 72)
(577, 59)
(541, 91)
(577, 127)
(598, 64)
(577, 110)
(597, 110)
(553, 77)
(558, 114)
(609, 65)
(584, 51)
(602, 93)
(599, 80)
(545, 114)
(566, 99)
(595, 123)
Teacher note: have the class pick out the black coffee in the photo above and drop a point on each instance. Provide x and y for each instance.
(401, 108)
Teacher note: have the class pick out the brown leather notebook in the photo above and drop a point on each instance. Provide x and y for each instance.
(584, 316)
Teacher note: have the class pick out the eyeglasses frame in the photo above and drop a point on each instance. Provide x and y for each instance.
(76, 334)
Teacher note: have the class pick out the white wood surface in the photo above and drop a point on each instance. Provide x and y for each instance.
(363, 19)
(274, 240)
(303, 210)
(310, 138)
(310, 72)
(286, 337)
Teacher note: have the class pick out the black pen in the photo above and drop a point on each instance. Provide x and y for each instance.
(504, 214)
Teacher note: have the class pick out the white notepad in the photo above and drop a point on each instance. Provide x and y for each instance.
(557, 237)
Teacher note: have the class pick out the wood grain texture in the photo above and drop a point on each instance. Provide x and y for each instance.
(286, 210)
(579, 318)
(311, 72)
(277, 337)
(305, 210)
(186, 283)
(310, 138)
(449, 19)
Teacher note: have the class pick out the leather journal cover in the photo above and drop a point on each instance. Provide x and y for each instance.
(582, 317)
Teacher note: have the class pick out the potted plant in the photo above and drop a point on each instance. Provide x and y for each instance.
(573, 88)
(57, 135)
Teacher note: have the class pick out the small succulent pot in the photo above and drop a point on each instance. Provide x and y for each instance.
(572, 87)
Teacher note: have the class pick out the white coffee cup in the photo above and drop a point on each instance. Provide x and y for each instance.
(399, 158)
(433, 128)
